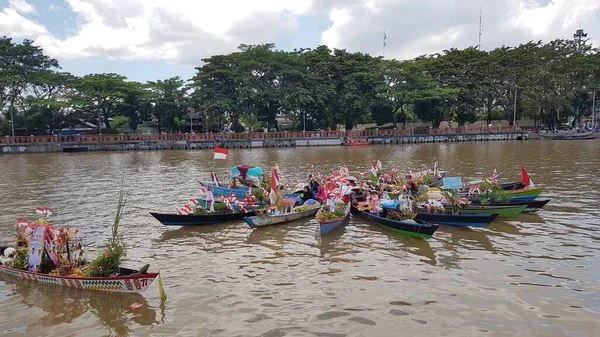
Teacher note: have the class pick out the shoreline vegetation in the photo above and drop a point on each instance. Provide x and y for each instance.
(258, 88)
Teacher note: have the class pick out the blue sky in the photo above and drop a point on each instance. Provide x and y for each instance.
(155, 39)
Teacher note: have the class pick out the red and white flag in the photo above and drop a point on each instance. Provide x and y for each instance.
(215, 179)
(194, 202)
(274, 184)
(495, 176)
(185, 210)
(525, 179)
(44, 210)
(211, 199)
(220, 153)
(374, 169)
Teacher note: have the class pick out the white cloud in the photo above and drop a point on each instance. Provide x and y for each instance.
(21, 6)
(54, 8)
(415, 28)
(184, 32)
(15, 25)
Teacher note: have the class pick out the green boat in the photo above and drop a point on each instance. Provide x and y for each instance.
(503, 211)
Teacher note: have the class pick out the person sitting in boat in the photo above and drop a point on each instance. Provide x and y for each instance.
(321, 195)
(357, 195)
(314, 186)
(306, 194)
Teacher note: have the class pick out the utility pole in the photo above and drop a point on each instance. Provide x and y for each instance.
(384, 42)
(304, 123)
(480, 28)
(12, 118)
(515, 112)
(594, 111)
(578, 36)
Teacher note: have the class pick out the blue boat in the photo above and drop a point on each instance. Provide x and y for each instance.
(471, 220)
(329, 226)
(239, 192)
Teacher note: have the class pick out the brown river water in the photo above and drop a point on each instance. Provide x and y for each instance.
(536, 275)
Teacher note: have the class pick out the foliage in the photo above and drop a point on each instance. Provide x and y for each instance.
(315, 89)
(109, 262)
(397, 215)
(453, 198)
(493, 193)
(220, 208)
(428, 179)
(21, 258)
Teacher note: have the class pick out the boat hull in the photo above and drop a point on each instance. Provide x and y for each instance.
(530, 206)
(470, 220)
(504, 211)
(326, 227)
(417, 230)
(264, 221)
(170, 219)
(523, 194)
(120, 284)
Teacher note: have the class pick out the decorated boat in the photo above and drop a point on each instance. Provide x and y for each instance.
(174, 219)
(54, 255)
(415, 228)
(567, 135)
(333, 216)
(208, 212)
(276, 216)
(503, 211)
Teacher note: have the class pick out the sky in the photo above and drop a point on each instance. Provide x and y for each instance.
(147, 40)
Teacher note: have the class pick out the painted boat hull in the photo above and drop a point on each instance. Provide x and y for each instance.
(503, 211)
(421, 230)
(173, 219)
(470, 220)
(264, 221)
(531, 206)
(523, 194)
(120, 284)
(326, 227)
(359, 144)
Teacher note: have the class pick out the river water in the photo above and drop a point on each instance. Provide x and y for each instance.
(537, 275)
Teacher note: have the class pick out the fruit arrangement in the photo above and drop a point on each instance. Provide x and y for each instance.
(400, 215)
(326, 215)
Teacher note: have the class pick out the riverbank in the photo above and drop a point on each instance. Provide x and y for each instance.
(123, 142)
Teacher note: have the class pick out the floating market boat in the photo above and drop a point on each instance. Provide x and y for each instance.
(415, 228)
(357, 142)
(471, 220)
(247, 175)
(503, 211)
(566, 135)
(329, 225)
(128, 280)
(269, 220)
(174, 219)
(238, 192)
(522, 194)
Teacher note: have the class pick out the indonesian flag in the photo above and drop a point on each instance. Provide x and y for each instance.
(331, 205)
(274, 183)
(436, 170)
(211, 199)
(379, 166)
(220, 153)
(44, 210)
(250, 189)
(525, 180)
(194, 202)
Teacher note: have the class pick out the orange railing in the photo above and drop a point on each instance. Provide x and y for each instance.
(120, 138)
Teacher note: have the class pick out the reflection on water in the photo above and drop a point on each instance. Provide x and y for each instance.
(61, 306)
(536, 275)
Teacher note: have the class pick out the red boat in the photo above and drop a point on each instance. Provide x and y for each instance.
(355, 142)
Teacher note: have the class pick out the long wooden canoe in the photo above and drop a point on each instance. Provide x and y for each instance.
(503, 211)
(531, 206)
(174, 219)
(471, 220)
(126, 282)
(416, 228)
(263, 221)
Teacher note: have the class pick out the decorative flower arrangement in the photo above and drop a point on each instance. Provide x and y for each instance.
(325, 214)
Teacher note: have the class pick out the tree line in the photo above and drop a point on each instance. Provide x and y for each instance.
(319, 88)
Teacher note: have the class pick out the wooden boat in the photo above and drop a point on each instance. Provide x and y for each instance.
(530, 206)
(174, 219)
(417, 228)
(567, 135)
(522, 194)
(471, 220)
(128, 281)
(330, 225)
(354, 142)
(503, 211)
(263, 221)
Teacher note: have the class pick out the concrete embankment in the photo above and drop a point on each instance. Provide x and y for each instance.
(249, 143)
